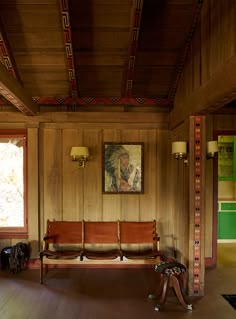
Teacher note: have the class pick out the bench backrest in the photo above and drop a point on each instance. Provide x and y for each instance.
(89, 232)
(101, 232)
(61, 232)
(138, 232)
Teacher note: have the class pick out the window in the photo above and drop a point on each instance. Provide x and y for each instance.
(13, 217)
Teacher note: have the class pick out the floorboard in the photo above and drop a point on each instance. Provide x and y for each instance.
(107, 293)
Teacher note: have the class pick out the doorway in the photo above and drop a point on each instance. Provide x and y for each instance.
(226, 200)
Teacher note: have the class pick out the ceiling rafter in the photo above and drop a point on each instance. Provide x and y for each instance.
(65, 14)
(11, 83)
(129, 52)
(136, 22)
(15, 93)
(7, 55)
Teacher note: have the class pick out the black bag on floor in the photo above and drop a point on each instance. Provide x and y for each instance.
(14, 258)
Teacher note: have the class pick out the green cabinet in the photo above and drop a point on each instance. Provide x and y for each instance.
(227, 220)
(227, 158)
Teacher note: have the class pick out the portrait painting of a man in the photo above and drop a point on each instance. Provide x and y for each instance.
(123, 168)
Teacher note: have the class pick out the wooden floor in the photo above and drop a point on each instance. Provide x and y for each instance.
(107, 293)
(226, 254)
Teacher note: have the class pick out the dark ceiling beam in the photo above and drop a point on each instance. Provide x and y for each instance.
(184, 53)
(10, 81)
(134, 36)
(11, 89)
(7, 55)
(65, 14)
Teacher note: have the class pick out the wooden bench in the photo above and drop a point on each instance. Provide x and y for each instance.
(89, 242)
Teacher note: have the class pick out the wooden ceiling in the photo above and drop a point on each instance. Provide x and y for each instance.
(69, 54)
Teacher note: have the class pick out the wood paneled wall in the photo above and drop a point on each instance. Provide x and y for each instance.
(209, 253)
(208, 82)
(208, 79)
(224, 122)
(57, 189)
(70, 193)
(180, 197)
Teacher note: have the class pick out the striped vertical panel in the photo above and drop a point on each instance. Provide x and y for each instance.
(197, 204)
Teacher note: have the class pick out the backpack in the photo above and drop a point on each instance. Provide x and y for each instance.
(15, 258)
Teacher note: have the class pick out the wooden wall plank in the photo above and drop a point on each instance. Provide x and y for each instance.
(130, 203)
(42, 224)
(72, 176)
(33, 190)
(92, 176)
(224, 122)
(164, 200)
(209, 197)
(178, 201)
(148, 210)
(52, 177)
(111, 203)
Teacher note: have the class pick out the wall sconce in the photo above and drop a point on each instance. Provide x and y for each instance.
(212, 148)
(179, 149)
(80, 155)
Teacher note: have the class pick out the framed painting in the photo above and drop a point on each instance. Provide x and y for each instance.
(122, 168)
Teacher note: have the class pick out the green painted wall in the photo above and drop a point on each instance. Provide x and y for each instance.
(227, 220)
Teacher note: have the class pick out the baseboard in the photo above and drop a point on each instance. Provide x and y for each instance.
(228, 241)
(210, 262)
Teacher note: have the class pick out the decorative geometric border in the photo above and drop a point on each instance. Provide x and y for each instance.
(65, 101)
(69, 50)
(102, 100)
(197, 204)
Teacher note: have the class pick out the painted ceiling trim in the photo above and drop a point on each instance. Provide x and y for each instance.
(69, 51)
(65, 101)
(102, 100)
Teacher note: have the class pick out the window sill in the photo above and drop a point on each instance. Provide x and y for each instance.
(13, 234)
